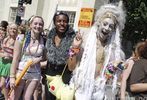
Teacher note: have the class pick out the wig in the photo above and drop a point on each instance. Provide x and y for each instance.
(111, 11)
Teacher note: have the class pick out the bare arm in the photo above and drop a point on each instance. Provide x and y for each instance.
(72, 63)
(43, 64)
(139, 87)
(76, 47)
(16, 57)
(125, 76)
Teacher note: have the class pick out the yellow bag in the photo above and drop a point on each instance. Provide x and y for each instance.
(59, 89)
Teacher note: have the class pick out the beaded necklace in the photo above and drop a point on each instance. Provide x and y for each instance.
(27, 41)
(35, 51)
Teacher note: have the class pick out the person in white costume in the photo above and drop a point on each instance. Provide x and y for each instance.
(99, 67)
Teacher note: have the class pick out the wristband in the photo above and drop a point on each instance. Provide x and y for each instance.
(73, 51)
(12, 75)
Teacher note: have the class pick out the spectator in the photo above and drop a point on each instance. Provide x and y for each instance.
(31, 49)
(3, 29)
(6, 56)
(58, 43)
(138, 80)
(40, 90)
(126, 73)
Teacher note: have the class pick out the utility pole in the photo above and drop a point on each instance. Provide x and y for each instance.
(18, 17)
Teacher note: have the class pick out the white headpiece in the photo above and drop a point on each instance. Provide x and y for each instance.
(109, 10)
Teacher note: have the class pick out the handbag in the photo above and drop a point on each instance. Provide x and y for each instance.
(58, 88)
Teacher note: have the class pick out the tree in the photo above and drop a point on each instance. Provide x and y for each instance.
(136, 24)
(136, 21)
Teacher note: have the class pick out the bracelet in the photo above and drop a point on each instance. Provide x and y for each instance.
(73, 51)
(12, 75)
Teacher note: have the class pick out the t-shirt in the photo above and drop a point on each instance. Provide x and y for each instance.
(139, 75)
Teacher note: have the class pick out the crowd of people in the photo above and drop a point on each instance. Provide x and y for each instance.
(93, 62)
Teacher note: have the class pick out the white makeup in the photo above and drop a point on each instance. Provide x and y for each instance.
(106, 28)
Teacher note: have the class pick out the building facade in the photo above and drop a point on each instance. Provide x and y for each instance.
(47, 8)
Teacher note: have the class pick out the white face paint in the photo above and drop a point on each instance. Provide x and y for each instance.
(106, 28)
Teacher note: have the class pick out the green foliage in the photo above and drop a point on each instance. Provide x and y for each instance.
(136, 20)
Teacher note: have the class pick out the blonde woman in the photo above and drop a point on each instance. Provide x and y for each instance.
(6, 57)
(30, 47)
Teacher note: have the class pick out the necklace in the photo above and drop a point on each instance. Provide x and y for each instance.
(9, 43)
(33, 39)
(35, 51)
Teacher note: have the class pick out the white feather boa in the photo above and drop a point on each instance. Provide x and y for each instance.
(84, 79)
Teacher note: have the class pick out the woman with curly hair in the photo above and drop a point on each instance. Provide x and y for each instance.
(126, 73)
(138, 80)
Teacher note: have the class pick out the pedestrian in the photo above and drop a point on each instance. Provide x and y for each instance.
(40, 90)
(58, 43)
(6, 56)
(3, 29)
(29, 47)
(126, 73)
(138, 80)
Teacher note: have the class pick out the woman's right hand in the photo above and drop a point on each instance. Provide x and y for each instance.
(12, 82)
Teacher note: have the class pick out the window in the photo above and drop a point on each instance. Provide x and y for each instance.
(12, 15)
(71, 15)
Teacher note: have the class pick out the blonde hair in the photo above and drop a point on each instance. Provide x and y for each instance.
(33, 17)
(111, 16)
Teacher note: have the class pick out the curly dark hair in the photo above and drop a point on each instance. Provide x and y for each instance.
(142, 50)
(60, 13)
(4, 24)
